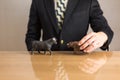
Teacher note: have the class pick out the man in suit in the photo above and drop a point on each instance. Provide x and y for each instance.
(77, 17)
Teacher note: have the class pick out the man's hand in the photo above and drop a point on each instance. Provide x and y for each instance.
(92, 41)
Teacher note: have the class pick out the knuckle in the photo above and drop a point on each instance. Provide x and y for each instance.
(88, 42)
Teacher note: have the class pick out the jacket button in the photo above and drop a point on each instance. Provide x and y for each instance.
(62, 41)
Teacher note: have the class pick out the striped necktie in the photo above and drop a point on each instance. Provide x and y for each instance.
(60, 8)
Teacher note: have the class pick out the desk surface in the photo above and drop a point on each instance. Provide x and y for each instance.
(59, 66)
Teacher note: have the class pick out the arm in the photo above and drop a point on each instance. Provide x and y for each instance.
(34, 27)
(102, 35)
(99, 23)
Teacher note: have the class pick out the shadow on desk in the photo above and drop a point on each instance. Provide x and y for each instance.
(67, 66)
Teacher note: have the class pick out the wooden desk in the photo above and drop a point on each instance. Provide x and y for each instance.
(60, 66)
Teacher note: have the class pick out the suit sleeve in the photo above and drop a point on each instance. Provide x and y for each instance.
(99, 23)
(34, 26)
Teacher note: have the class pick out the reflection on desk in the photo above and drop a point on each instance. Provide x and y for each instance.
(68, 66)
(59, 66)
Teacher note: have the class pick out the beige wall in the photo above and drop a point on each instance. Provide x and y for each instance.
(14, 18)
(13, 22)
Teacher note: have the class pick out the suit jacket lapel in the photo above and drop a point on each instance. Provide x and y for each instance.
(70, 8)
(51, 11)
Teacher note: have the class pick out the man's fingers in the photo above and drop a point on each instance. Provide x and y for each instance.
(92, 41)
(84, 39)
(92, 47)
(87, 43)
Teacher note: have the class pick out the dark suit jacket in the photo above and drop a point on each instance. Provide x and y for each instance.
(78, 16)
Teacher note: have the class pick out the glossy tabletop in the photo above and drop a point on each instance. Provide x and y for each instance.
(20, 65)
